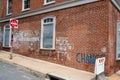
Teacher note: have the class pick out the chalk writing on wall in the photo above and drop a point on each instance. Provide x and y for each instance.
(26, 35)
(88, 58)
(63, 46)
(28, 38)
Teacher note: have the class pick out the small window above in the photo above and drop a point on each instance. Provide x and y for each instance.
(46, 2)
(25, 5)
(9, 7)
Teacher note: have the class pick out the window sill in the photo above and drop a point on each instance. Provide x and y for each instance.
(25, 9)
(118, 59)
(6, 47)
(9, 14)
(47, 49)
(49, 3)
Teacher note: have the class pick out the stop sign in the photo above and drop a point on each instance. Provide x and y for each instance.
(13, 23)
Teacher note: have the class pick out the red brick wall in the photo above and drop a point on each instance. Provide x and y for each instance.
(88, 28)
(17, 7)
(3, 11)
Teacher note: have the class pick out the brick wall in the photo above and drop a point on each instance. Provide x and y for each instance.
(3, 11)
(87, 28)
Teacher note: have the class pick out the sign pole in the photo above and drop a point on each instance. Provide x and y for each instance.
(11, 49)
(96, 77)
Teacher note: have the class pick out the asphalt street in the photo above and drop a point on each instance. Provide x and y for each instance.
(13, 72)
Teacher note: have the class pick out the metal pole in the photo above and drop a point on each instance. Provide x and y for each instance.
(11, 49)
(10, 53)
(96, 78)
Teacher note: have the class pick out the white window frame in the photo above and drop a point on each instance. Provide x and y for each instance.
(1, 35)
(118, 25)
(46, 3)
(23, 9)
(54, 27)
(7, 8)
(4, 37)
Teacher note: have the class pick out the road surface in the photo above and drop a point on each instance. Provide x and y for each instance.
(13, 72)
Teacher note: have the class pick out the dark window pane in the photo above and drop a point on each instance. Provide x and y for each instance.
(48, 20)
(7, 36)
(49, 1)
(26, 4)
(7, 26)
(45, 21)
(118, 55)
(9, 6)
(118, 41)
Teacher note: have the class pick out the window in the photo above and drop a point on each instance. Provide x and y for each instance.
(26, 5)
(48, 33)
(48, 2)
(118, 41)
(1, 34)
(9, 7)
(7, 36)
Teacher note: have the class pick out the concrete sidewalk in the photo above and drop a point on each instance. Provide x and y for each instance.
(115, 76)
(46, 68)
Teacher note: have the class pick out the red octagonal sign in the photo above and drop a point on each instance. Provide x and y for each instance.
(13, 23)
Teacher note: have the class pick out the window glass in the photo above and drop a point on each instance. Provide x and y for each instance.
(9, 7)
(48, 20)
(118, 41)
(26, 4)
(7, 36)
(7, 27)
(49, 1)
(48, 36)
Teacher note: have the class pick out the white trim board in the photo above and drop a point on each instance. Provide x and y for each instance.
(59, 6)
(115, 3)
